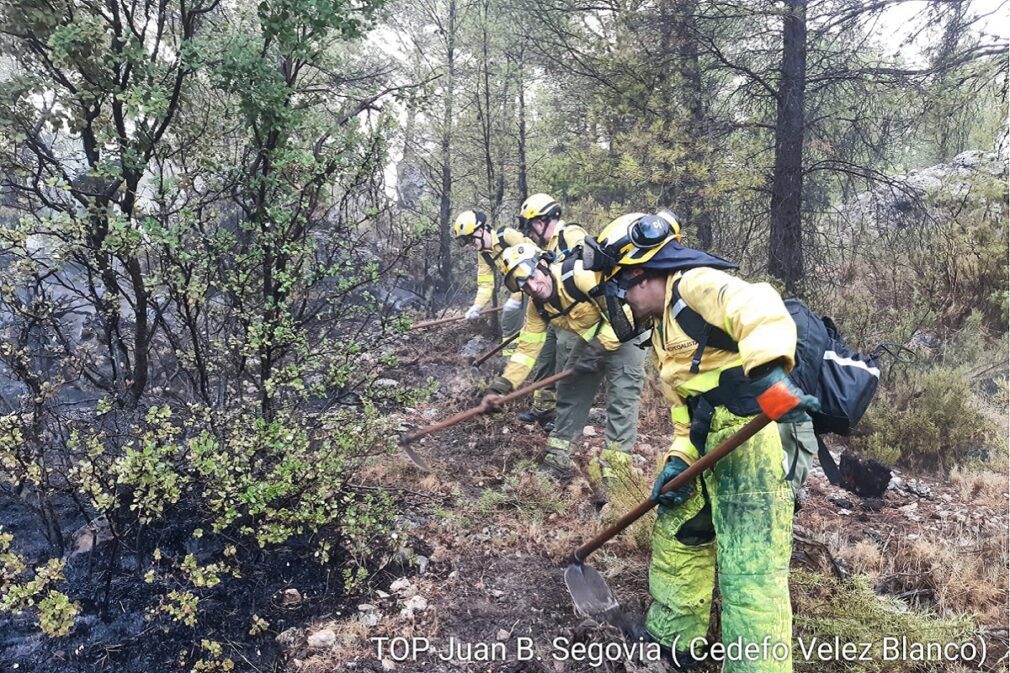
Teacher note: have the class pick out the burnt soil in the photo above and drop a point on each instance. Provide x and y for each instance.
(481, 549)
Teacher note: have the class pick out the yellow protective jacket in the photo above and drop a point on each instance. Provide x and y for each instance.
(565, 238)
(752, 313)
(582, 318)
(500, 239)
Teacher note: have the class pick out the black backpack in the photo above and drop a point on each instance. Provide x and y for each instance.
(844, 381)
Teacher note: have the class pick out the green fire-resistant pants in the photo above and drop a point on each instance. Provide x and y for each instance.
(623, 372)
(750, 506)
(546, 365)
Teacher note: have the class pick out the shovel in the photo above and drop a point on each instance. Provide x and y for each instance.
(481, 408)
(497, 349)
(592, 597)
(442, 321)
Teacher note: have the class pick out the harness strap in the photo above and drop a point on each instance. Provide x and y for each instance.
(699, 329)
(828, 464)
(568, 280)
(542, 311)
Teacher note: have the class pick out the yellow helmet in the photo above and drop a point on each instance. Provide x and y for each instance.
(467, 223)
(518, 263)
(629, 240)
(538, 206)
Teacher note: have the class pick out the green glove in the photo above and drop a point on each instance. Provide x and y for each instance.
(499, 386)
(779, 398)
(587, 356)
(677, 496)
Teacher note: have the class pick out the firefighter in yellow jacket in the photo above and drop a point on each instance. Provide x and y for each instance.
(471, 227)
(540, 220)
(585, 343)
(739, 513)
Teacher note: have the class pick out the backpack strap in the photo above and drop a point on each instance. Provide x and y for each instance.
(542, 311)
(563, 249)
(831, 470)
(489, 258)
(568, 279)
(699, 329)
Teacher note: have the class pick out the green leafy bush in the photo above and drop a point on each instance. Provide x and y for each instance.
(933, 413)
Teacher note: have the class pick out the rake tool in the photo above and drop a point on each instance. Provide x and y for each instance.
(494, 351)
(590, 592)
(442, 321)
(481, 408)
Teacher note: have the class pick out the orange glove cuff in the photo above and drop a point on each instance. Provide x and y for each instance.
(777, 401)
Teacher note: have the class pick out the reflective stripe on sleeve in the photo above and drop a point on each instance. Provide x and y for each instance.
(533, 337)
(680, 415)
(702, 383)
(523, 360)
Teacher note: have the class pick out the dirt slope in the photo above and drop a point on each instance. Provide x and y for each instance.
(486, 542)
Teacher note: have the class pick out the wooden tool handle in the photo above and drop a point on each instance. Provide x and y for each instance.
(484, 407)
(442, 321)
(497, 349)
(739, 437)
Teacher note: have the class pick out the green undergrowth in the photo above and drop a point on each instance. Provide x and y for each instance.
(826, 609)
(945, 409)
(525, 491)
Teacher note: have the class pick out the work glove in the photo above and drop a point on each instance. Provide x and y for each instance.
(587, 357)
(473, 313)
(779, 398)
(499, 386)
(677, 496)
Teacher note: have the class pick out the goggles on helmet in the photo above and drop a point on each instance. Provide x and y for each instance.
(644, 234)
(517, 276)
(467, 239)
(526, 224)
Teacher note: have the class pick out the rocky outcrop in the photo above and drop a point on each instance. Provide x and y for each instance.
(916, 198)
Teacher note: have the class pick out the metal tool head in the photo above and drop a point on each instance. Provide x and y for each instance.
(592, 597)
(412, 455)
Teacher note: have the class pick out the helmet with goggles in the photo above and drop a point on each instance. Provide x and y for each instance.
(538, 207)
(466, 225)
(643, 241)
(630, 240)
(519, 263)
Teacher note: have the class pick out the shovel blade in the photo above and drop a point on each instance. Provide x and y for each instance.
(592, 597)
(414, 458)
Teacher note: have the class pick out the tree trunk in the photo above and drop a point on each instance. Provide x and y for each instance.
(445, 205)
(696, 213)
(785, 255)
(521, 185)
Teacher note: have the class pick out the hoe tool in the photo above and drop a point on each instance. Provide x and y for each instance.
(497, 349)
(592, 597)
(481, 408)
(442, 321)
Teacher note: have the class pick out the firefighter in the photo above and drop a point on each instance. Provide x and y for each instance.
(540, 220)
(471, 227)
(739, 513)
(585, 343)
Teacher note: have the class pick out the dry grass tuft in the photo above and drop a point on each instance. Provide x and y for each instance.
(981, 487)
(849, 609)
(963, 574)
(352, 641)
(630, 488)
(863, 557)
